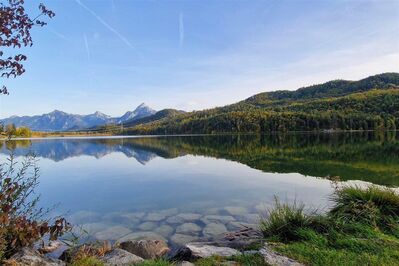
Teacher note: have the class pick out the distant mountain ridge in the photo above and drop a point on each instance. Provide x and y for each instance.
(62, 121)
(371, 103)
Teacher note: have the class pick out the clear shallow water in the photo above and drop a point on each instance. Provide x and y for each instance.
(183, 188)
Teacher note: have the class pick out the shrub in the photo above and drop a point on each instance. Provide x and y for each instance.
(374, 206)
(284, 220)
(21, 222)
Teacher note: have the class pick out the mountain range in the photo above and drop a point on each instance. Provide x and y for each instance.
(367, 104)
(61, 121)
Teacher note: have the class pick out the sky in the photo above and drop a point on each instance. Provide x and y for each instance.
(111, 55)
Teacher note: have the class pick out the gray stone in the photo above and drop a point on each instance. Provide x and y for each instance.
(164, 230)
(224, 219)
(189, 217)
(236, 210)
(31, 257)
(134, 215)
(201, 250)
(112, 233)
(188, 228)
(214, 229)
(155, 217)
(169, 212)
(174, 220)
(274, 258)
(251, 218)
(147, 226)
(212, 211)
(181, 239)
(141, 235)
(120, 257)
(147, 249)
(185, 263)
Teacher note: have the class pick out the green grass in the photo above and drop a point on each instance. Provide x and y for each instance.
(373, 206)
(156, 262)
(361, 229)
(87, 261)
(243, 260)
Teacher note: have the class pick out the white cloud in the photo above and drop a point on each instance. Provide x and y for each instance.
(105, 24)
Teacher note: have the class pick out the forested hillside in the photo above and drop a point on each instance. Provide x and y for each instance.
(368, 104)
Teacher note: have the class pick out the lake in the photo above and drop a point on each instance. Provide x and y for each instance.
(181, 188)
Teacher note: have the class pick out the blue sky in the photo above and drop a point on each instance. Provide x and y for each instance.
(111, 55)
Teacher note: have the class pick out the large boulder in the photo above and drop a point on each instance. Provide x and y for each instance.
(31, 257)
(147, 249)
(120, 257)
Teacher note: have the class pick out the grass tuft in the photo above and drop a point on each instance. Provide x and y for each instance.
(284, 221)
(360, 229)
(374, 206)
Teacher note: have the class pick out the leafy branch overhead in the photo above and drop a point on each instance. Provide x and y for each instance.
(15, 27)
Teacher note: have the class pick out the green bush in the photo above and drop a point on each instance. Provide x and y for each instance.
(284, 220)
(374, 206)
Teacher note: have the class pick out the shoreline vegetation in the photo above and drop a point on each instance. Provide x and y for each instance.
(67, 134)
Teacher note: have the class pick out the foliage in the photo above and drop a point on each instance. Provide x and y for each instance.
(21, 222)
(12, 131)
(15, 27)
(345, 234)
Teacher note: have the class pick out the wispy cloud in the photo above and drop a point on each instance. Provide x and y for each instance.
(105, 24)
(181, 29)
(59, 35)
(86, 46)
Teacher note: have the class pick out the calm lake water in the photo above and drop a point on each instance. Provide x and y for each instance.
(188, 187)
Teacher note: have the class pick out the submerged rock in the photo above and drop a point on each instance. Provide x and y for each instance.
(236, 210)
(112, 233)
(31, 257)
(140, 236)
(188, 228)
(214, 229)
(164, 230)
(235, 226)
(147, 249)
(147, 226)
(120, 257)
(181, 239)
(224, 219)
(155, 217)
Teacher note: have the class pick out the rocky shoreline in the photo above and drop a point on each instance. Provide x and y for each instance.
(134, 252)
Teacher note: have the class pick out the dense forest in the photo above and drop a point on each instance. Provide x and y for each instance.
(368, 104)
